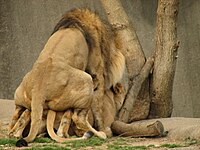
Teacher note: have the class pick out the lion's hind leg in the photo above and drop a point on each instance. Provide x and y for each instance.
(17, 113)
(65, 124)
(20, 125)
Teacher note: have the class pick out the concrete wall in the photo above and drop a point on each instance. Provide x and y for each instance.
(25, 26)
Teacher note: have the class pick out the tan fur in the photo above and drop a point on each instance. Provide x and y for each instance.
(54, 82)
(113, 100)
(21, 123)
(105, 61)
(80, 42)
(63, 120)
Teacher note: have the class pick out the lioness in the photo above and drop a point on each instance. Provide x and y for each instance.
(58, 81)
(63, 122)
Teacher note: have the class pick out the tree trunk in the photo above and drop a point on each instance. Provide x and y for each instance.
(135, 60)
(165, 59)
(131, 47)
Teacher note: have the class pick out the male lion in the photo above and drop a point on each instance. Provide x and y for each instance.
(58, 81)
(105, 62)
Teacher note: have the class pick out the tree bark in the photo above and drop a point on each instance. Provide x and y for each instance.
(165, 59)
(144, 128)
(134, 55)
(131, 47)
(134, 91)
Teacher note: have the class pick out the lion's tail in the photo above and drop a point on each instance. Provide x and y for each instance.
(50, 124)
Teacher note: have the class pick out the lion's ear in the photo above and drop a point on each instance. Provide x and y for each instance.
(118, 88)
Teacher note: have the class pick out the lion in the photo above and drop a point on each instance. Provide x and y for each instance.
(80, 47)
(113, 99)
(106, 63)
(63, 122)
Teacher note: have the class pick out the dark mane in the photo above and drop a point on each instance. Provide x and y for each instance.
(69, 20)
(90, 24)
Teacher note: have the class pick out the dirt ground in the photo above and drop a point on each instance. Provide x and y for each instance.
(7, 108)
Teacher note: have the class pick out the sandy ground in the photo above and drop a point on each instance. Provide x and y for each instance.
(7, 108)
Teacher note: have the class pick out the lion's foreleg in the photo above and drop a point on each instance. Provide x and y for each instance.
(97, 106)
(97, 103)
(20, 125)
(65, 124)
(96, 69)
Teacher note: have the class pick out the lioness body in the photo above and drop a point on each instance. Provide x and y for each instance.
(63, 122)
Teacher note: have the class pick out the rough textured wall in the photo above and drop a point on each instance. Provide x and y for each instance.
(187, 81)
(26, 25)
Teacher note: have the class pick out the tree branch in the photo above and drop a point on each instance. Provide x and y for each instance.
(134, 90)
(144, 128)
